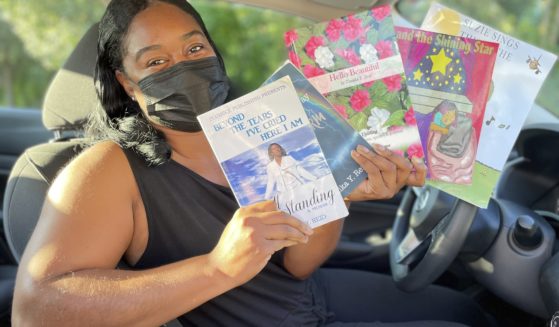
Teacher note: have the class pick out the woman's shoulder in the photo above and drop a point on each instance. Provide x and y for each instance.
(101, 163)
(102, 155)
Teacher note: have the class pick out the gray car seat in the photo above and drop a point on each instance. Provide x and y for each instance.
(68, 101)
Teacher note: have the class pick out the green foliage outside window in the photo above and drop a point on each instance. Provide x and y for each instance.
(37, 36)
(533, 21)
(250, 39)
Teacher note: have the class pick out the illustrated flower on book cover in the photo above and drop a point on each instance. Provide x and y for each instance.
(368, 53)
(355, 63)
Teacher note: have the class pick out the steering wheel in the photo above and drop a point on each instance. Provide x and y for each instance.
(428, 232)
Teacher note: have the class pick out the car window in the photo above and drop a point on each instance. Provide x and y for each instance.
(533, 21)
(249, 38)
(37, 36)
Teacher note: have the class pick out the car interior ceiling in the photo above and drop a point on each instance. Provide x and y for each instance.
(316, 10)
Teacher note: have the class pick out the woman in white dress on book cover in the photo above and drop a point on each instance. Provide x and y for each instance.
(284, 172)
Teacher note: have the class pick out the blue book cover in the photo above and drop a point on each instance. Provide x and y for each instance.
(335, 136)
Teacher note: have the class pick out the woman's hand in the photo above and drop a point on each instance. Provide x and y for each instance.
(251, 237)
(387, 173)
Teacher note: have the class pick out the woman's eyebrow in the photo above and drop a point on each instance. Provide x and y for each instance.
(184, 37)
(188, 35)
(146, 49)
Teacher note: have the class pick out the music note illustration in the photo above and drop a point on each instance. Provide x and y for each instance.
(488, 122)
(500, 126)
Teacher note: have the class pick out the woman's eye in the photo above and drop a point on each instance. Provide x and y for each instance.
(155, 62)
(195, 49)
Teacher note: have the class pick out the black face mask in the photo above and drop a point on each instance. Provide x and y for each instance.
(175, 96)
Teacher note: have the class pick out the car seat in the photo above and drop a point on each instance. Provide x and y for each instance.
(69, 100)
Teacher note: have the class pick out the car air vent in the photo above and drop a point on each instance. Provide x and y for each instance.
(352, 5)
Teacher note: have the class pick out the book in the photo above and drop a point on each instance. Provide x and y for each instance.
(449, 79)
(268, 151)
(335, 136)
(355, 63)
(519, 72)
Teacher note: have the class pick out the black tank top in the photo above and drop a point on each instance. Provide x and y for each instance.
(186, 215)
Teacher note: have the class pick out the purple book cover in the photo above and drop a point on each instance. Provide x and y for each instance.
(449, 79)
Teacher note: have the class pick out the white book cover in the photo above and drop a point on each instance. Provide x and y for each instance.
(268, 151)
(519, 72)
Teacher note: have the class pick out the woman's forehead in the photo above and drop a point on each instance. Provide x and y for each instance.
(158, 24)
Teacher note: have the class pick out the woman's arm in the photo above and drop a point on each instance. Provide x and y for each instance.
(67, 275)
(387, 174)
(303, 259)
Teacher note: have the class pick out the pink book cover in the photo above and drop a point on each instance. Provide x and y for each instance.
(449, 80)
(355, 63)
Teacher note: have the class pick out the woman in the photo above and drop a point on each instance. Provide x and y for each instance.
(154, 195)
(283, 171)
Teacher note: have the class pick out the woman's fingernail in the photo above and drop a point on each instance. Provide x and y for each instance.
(363, 148)
(355, 153)
(379, 147)
(417, 160)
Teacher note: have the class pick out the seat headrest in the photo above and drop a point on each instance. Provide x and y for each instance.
(71, 95)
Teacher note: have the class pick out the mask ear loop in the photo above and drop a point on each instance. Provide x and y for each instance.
(134, 107)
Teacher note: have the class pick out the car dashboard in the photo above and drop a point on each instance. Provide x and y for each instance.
(519, 266)
(531, 177)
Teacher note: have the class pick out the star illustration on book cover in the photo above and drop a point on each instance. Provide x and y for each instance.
(449, 81)
(443, 69)
(519, 73)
